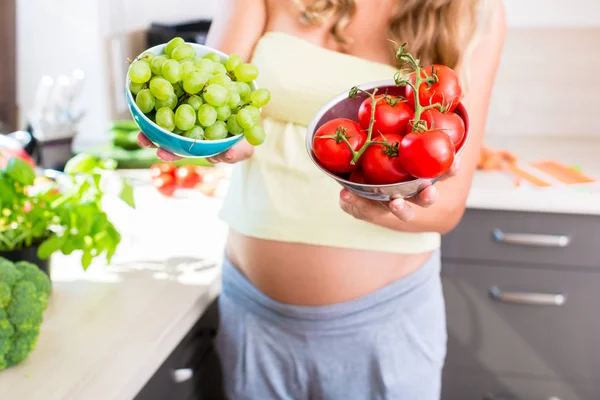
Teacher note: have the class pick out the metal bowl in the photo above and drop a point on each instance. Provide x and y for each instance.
(342, 106)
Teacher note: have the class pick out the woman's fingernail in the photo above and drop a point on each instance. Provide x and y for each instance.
(398, 206)
(346, 195)
(432, 195)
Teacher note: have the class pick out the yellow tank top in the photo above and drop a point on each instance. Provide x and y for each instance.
(279, 194)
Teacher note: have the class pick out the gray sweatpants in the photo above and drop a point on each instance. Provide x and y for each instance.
(389, 344)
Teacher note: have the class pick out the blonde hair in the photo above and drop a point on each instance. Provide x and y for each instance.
(436, 31)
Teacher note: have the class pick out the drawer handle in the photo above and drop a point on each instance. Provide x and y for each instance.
(536, 299)
(531, 239)
(183, 375)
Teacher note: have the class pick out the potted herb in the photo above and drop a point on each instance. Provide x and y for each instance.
(40, 215)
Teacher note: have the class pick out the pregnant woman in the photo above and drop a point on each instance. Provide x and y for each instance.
(326, 295)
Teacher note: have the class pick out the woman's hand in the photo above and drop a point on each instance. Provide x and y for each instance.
(239, 152)
(370, 210)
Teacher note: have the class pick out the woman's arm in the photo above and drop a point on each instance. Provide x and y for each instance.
(237, 27)
(440, 207)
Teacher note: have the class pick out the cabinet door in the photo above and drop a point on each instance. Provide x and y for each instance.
(8, 72)
(531, 322)
(474, 385)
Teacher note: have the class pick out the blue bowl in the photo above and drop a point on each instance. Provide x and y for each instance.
(179, 145)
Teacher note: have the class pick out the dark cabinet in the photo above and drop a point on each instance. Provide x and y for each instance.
(192, 371)
(521, 293)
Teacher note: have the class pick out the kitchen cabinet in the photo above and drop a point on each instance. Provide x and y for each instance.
(8, 43)
(521, 293)
(192, 370)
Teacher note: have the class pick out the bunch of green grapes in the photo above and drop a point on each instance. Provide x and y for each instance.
(203, 98)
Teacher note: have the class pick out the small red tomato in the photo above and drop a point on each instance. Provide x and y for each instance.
(392, 115)
(444, 87)
(165, 184)
(451, 124)
(187, 177)
(331, 149)
(381, 163)
(426, 155)
(357, 177)
(161, 169)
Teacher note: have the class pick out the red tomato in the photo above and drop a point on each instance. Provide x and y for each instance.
(165, 184)
(162, 168)
(391, 115)
(427, 155)
(357, 177)
(187, 177)
(451, 124)
(446, 90)
(381, 164)
(7, 153)
(330, 148)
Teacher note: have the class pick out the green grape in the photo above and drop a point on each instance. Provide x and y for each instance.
(171, 103)
(246, 72)
(157, 63)
(255, 135)
(234, 100)
(260, 97)
(165, 118)
(242, 88)
(195, 101)
(173, 44)
(233, 61)
(221, 79)
(233, 126)
(219, 69)
(207, 115)
(213, 57)
(161, 88)
(217, 131)
(135, 87)
(182, 52)
(140, 72)
(145, 101)
(255, 112)
(205, 65)
(196, 133)
(223, 113)
(216, 95)
(178, 131)
(245, 118)
(172, 71)
(185, 117)
(178, 90)
(187, 68)
(194, 82)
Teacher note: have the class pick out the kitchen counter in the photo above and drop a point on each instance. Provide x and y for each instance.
(496, 190)
(107, 330)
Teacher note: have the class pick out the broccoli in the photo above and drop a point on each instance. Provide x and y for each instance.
(24, 291)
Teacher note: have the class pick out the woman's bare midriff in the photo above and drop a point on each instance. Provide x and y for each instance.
(312, 275)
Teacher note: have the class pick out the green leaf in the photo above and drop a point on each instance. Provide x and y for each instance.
(127, 193)
(82, 163)
(50, 246)
(86, 259)
(20, 171)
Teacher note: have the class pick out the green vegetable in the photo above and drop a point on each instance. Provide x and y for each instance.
(64, 217)
(24, 291)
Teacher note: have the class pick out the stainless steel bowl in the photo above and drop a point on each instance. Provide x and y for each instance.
(342, 106)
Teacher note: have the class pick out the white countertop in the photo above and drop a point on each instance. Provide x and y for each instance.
(496, 190)
(107, 330)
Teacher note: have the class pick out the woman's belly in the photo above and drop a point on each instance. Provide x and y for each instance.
(304, 274)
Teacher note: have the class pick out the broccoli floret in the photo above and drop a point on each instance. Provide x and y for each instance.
(24, 291)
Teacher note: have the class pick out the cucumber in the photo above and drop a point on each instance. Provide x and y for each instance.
(126, 140)
(126, 125)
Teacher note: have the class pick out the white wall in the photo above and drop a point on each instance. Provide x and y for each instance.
(56, 36)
